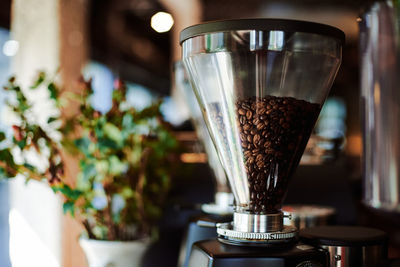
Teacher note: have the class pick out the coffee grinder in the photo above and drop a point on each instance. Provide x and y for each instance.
(260, 84)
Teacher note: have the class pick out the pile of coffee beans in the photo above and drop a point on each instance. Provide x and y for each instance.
(273, 133)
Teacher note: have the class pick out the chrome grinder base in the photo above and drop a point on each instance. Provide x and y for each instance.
(256, 230)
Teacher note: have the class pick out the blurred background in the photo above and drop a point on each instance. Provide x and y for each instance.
(137, 41)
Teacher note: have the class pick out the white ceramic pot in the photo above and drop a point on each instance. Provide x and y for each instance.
(114, 253)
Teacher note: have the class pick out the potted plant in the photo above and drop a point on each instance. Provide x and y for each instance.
(126, 158)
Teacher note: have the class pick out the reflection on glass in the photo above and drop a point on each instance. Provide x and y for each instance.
(328, 140)
(184, 87)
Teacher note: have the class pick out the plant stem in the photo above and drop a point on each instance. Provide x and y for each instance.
(139, 186)
(88, 229)
(21, 170)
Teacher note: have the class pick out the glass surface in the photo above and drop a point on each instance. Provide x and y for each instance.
(182, 84)
(380, 100)
(260, 93)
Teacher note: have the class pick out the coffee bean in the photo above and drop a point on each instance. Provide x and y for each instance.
(250, 160)
(260, 126)
(260, 164)
(244, 144)
(245, 106)
(259, 105)
(256, 138)
(260, 143)
(271, 128)
(249, 114)
(250, 138)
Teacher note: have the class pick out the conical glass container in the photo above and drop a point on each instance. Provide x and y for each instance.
(223, 195)
(260, 84)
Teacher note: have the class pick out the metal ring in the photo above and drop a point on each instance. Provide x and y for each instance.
(226, 230)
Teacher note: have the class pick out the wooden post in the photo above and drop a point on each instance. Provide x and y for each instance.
(185, 13)
(52, 34)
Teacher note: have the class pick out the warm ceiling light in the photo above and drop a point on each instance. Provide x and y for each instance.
(10, 48)
(162, 22)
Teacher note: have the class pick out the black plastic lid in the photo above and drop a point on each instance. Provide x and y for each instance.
(345, 236)
(261, 24)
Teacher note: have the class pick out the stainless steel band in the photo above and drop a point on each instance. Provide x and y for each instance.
(341, 256)
(257, 223)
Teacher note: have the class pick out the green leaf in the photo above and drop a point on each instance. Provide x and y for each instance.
(127, 121)
(82, 184)
(116, 166)
(136, 154)
(68, 192)
(100, 231)
(51, 119)
(112, 132)
(89, 171)
(69, 207)
(117, 95)
(53, 91)
(29, 167)
(6, 156)
(102, 166)
(127, 192)
(106, 143)
(151, 111)
(69, 146)
(2, 136)
(116, 218)
(40, 79)
(83, 144)
(23, 104)
(21, 144)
